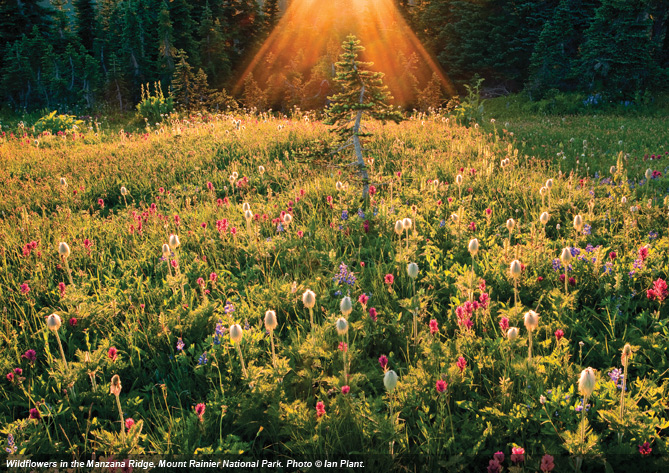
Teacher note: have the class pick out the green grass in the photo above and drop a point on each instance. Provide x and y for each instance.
(585, 138)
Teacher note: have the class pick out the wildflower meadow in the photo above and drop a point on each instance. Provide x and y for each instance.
(209, 287)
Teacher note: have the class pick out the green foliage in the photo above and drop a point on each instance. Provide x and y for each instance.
(431, 97)
(254, 98)
(54, 123)
(554, 62)
(618, 49)
(154, 107)
(471, 109)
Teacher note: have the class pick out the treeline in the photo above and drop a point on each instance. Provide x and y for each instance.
(617, 49)
(96, 54)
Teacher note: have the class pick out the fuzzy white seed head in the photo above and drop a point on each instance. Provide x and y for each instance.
(510, 224)
(236, 333)
(512, 333)
(309, 299)
(549, 184)
(473, 246)
(390, 380)
(246, 206)
(287, 219)
(248, 215)
(544, 218)
(412, 270)
(124, 191)
(455, 218)
(399, 227)
(342, 326)
(578, 223)
(406, 223)
(174, 241)
(63, 182)
(339, 186)
(565, 256)
(270, 320)
(346, 306)
(515, 269)
(64, 249)
(587, 381)
(531, 320)
(53, 322)
(261, 170)
(649, 173)
(458, 179)
(166, 251)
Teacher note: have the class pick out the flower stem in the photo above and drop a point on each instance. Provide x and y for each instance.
(62, 353)
(120, 414)
(69, 273)
(271, 338)
(415, 315)
(622, 394)
(585, 403)
(450, 418)
(471, 282)
(239, 350)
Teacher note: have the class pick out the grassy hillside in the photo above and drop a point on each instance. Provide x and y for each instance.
(468, 384)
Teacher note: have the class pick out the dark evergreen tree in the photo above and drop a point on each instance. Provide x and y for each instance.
(618, 51)
(136, 50)
(659, 13)
(116, 86)
(270, 12)
(492, 38)
(20, 17)
(554, 62)
(16, 74)
(183, 82)
(362, 92)
(243, 23)
(85, 19)
(183, 28)
(213, 57)
(166, 49)
(202, 94)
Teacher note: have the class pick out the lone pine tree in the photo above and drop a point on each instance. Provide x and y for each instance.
(362, 92)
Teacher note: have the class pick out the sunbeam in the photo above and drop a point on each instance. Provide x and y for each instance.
(299, 55)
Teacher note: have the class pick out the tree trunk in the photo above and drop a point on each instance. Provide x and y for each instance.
(362, 169)
(119, 95)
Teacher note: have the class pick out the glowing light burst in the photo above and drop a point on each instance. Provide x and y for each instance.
(299, 55)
